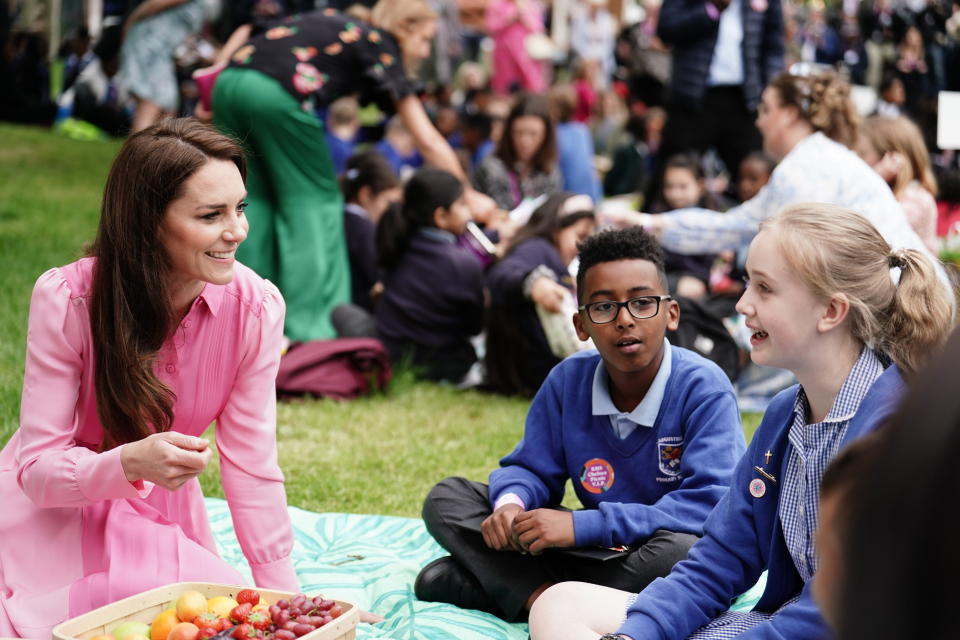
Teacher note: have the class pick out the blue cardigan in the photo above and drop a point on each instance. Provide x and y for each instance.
(744, 537)
(698, 423)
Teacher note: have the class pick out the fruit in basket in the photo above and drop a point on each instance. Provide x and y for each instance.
(130, 628)
(259, 620)
(221, 605)
(184, 631)
(101, 637)
(190, 604)
(208, 619)
(243, 632)
(161, 625)
(249, 595)
(207, 632)
(240, 613)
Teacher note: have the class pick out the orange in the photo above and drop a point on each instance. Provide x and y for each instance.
(161, 625)
(190, 604)
(220, 605)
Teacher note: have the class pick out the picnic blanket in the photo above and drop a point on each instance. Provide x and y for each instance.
(372, 561)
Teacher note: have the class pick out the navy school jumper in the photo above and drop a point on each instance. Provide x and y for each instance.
(668, 476)
(744, 537)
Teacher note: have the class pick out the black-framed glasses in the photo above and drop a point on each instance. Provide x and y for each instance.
(641, 308)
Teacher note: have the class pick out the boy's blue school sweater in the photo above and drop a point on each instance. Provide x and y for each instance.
(744, 537)
(668, 476)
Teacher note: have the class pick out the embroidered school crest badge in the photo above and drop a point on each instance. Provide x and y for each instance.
(596, 476)
(669, 451)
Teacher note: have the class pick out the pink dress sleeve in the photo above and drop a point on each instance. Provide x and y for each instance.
(246, 439)
(51, 470)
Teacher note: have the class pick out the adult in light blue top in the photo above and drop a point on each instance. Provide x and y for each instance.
(809, 124)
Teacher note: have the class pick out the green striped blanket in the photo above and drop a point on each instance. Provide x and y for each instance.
(373, 561)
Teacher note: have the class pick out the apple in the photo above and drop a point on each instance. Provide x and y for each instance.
(124, 630)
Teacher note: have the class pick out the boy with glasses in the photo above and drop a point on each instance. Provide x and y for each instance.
(649, 435)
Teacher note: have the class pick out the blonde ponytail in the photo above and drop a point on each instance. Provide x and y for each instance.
(920, 316)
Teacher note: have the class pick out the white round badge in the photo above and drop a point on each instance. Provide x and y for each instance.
(757, 488)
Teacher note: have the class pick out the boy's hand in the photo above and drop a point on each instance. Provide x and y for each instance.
(544, 528)
(497, 529)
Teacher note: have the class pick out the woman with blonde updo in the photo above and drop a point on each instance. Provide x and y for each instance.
(830, 301)
(894, 147)
(809, 125)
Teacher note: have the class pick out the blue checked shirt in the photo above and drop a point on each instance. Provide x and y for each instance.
(812, 446)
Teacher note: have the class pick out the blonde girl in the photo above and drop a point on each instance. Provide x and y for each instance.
(830, 301)
(894, 147)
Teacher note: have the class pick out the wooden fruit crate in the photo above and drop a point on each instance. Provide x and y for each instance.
(144, 607)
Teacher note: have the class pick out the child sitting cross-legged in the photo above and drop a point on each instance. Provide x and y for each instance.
(648, 433)
(830, 301)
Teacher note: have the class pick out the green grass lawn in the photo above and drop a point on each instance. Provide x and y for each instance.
(374, 455)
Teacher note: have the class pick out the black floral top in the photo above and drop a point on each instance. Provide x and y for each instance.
(325, 55)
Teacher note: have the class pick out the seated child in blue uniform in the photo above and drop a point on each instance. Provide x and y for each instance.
(369, 186)
(432, 300)
(821, 298)
(648, 433)
(533, 272)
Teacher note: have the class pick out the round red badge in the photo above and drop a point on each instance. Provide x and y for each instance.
(757, 488)
(596, 475)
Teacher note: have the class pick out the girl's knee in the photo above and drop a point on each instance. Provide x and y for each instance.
(553, 602)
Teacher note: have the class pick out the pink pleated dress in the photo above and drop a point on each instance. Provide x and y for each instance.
(74, 533)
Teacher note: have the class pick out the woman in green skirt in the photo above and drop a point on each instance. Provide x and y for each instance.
(267, 98)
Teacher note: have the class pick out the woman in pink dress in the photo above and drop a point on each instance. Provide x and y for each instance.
(509, 22)
(132, 353)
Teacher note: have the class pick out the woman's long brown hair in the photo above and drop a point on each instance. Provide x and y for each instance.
(130, 305)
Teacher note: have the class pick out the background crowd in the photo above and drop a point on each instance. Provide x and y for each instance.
(637, 106)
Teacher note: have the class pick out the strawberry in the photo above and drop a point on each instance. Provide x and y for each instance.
(260, 620)
(249, 595)
(207, 632)
(239, 614)
(243, 631)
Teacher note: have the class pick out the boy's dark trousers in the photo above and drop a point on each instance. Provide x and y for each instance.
(453, 511)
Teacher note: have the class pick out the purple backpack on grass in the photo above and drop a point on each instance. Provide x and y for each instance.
(342, 368)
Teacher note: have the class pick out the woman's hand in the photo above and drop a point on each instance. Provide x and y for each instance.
(890, 165)
(548, 294)
(370, 618)
(652, 224)
(168, 459)
(482, 207)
